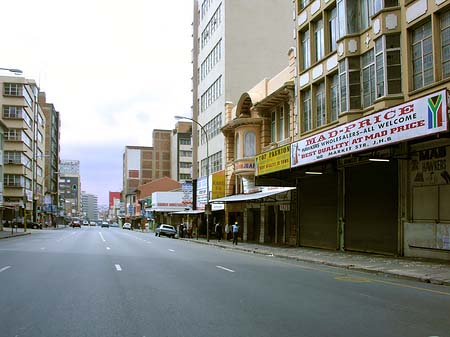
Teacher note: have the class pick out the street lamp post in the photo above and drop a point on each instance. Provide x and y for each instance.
(207, 208)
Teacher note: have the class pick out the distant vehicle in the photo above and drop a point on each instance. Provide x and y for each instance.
(114, 224)
(92, 223)
(76, 223)
(126, 225)
(105, 224)
(85, 223)
(166, 230)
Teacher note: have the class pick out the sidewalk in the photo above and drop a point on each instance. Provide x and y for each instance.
(429, 271)
(6, 233)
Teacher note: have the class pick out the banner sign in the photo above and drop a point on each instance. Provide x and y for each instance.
(273, 160)
(421, 117)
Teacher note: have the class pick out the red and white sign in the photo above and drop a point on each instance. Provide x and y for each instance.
(424, 116)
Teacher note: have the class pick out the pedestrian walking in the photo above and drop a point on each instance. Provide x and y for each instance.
(235, 229)
(227, 232)
(218, 231)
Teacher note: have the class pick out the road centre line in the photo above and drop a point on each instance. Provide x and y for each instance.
(67, 236)
(101, 235)
(171, 250)
(226, 269)
(107, 248)
(118, 268)
(4, 268)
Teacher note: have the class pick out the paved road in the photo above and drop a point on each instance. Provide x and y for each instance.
(112, 282)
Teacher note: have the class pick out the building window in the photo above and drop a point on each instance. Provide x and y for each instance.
(393, 62)
(378, 5)
(211, 26)
(368, 78)
(184, 153)
(302, 4)
(422, 56)
(26, 139)
(184, 164)
(366, 9)
(13, 134)
(12, 157)
(333, 28)
(307, 113)
(249, 144)
(273, 126)
(13, 180)
(211, 60)
(211, 94)
(306, 49)
(319, 39)
(12, 111)
(445, 44)
(343, 85)
(354, 82)
(185, 141)
(320, 105)
(12, 89)
(334, 98)
(185, 176)
(281, 133)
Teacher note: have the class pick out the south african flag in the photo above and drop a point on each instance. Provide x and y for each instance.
(435, 112)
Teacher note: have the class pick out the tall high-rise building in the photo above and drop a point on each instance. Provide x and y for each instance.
(51, 157)
(235, 44)
(69, 187)
(24, 168)
(89, 206)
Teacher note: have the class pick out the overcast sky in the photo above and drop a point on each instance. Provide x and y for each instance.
(114, 69)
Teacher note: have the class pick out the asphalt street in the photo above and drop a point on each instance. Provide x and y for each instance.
(111, 282)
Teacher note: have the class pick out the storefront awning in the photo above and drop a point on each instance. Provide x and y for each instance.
(164, 210)
(252, 196)
(191, 211)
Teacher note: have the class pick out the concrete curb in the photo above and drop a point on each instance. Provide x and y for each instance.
(14, 235)
(395, 273)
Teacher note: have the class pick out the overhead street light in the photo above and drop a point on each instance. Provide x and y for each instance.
(207, 208)
(16, 71)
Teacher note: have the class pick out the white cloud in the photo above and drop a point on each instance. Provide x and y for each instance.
(115, 70)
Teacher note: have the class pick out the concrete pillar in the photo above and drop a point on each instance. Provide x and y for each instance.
(245, 224)
(263, 226)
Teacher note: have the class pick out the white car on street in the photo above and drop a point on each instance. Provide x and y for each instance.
(126, 225)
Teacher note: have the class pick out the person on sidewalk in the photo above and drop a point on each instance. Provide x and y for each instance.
(218, 231)
(227, 232)
(235, 230)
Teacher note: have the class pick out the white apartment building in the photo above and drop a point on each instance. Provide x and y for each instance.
(181, 152)
(236, 44)
(89, 206)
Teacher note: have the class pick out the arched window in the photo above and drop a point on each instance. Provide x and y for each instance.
(249, 144)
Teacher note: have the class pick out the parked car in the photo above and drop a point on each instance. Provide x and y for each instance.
(166, 230)
(105, 224)
(126, 225)
(85, 223)
(92, 223)
(75, 223)
(114, 224)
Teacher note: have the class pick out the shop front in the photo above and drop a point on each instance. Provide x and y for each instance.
(354, 184)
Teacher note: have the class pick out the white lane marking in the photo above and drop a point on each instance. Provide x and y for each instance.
(107, 248)
(226, 269)
(67, 236)
(171, 250)
(43, 248)
(5, 268)
(149, 242)
(101, 235)
(118, 268)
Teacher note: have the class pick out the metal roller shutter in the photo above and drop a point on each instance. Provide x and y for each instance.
(318, 211)
(371, 208)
